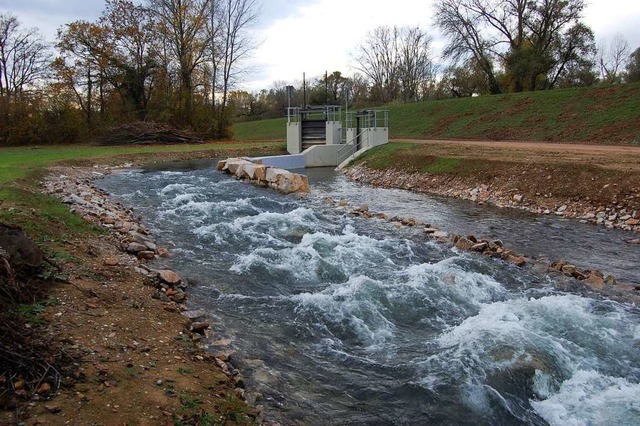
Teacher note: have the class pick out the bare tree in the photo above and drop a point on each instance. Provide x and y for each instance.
(633, 67)
(24, 56)
(612, 56)
(378, 59)
(531, 40)
(134, 52)
(236, 19)
(416, 63)
(460, 21)
(183, 25)
(396, 61)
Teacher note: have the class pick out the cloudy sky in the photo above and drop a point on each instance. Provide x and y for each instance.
(314, 36)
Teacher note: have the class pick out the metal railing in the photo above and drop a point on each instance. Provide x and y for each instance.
(371, 118)
(325, 112)
(351, 147)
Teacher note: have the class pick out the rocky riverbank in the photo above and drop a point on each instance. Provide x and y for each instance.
(137, 344)
(619, 212)
(591, 278)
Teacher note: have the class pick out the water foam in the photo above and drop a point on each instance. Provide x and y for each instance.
(591, 398)
(551, 340)
(349, 311)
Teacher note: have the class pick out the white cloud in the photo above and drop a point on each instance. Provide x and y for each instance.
(315, 36)
(321, 36)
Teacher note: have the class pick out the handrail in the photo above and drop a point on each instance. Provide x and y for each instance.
(349, 144)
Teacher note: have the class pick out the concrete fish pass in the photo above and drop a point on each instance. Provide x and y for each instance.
(322, 136)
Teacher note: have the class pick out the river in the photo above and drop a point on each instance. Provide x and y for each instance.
(337, 319)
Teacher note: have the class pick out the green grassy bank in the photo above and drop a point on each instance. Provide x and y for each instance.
(608, 115)
(21, 161)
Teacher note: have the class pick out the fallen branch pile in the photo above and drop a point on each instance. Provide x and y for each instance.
(30, 363)
(145, 133)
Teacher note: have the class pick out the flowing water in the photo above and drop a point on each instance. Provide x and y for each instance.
(336, 319)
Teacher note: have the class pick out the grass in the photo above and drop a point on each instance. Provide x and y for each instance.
(16, 163)
(602, 114)
(46, 219)
(409, 157)
(271, 129)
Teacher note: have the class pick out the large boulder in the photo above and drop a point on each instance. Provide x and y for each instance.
(255, 171)
(280, 179)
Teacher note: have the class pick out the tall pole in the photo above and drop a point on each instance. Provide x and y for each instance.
(326, 87)
(304, 91)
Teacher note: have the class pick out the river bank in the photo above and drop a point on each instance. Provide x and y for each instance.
(131, 352)
(136, 343)
(126, 322)
(599, 185)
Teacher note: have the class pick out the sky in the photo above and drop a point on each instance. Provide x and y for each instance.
(314, 36)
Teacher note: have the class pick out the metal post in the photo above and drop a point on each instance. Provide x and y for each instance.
(289, 90)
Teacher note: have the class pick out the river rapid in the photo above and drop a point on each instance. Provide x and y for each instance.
(337, 319)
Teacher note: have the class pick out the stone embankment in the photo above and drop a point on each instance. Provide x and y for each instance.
(265, 176)
(75, 187)
(613, 215)
(594, 279)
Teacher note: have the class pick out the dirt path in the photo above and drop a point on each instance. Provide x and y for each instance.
(622, 158)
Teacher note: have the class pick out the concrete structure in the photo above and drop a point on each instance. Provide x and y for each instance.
(314, 136)
(311, 126)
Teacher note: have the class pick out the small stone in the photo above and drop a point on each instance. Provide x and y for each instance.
(200, 327)
(135, 248)
(343, 203)
(111, 261)
(480, 247)
(517, 260)
(595, 281)
(561, 209)
(611, 280)
(464, 243)
(44, 389)
(169, 277)
(159, 382)
(494, 244)
(408, 221)
(146, 255)
(569, 270)
(53, 409)
(518, 198)
(163, 252)
(193, 315)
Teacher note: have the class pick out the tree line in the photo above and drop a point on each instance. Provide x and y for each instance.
(492, 47)
(173, 61)
(179, 62)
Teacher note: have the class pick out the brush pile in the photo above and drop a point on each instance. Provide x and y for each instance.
(29, 363)
(145, 133)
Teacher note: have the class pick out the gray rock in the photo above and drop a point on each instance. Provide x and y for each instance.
(135, 248)
(195, 314)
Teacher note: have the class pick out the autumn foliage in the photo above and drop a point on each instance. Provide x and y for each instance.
(166, 61)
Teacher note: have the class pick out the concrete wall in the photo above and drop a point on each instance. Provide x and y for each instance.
(296, 161)
(334, 132)
(294, 137)
(375, 136)
(322, 156)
